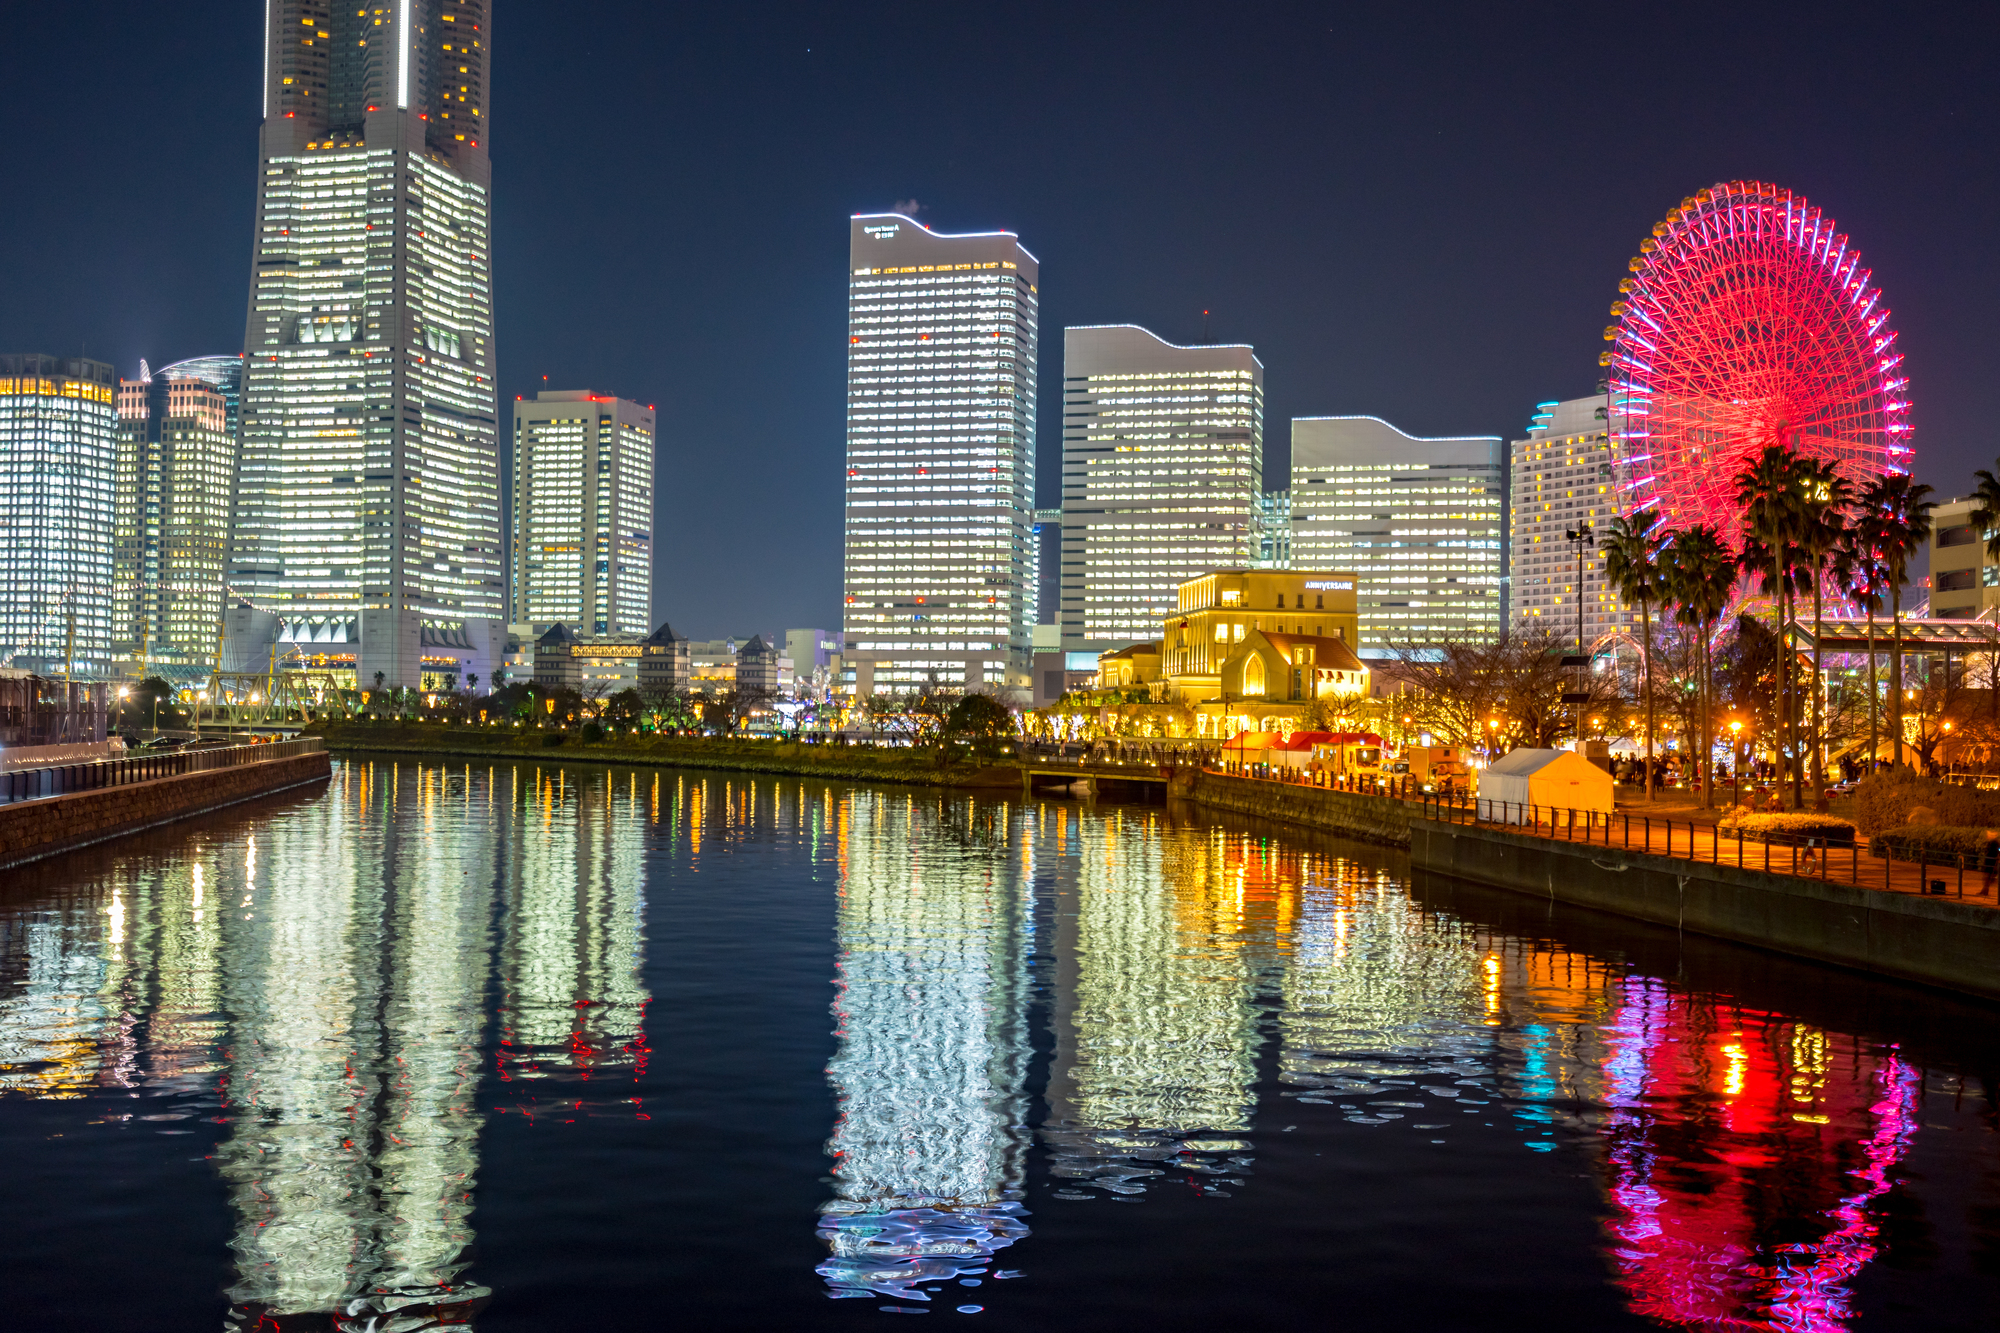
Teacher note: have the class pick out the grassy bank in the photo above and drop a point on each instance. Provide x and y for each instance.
(848, 763)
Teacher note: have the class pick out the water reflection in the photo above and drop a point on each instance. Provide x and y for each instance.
(931, 994)
(1132, 1003)
(323, 987)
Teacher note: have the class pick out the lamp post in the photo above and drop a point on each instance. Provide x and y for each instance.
(1492, 738)
(1736, 750)
(1580, 537)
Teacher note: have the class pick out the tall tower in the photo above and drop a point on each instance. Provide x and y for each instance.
(940, 456)
(1561, 478)
(1163, 467)
(176, 473)
(583, 513)
(58, 452)
(1421, 522)
(368, 506)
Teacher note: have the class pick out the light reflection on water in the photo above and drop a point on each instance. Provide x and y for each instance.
(1038, 1011)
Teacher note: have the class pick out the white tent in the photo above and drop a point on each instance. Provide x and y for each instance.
(1551, 779)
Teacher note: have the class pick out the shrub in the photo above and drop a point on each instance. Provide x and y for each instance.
(1787, 828)
(1938, 844)
(1884, 800)
(554, 739)
(592, 733)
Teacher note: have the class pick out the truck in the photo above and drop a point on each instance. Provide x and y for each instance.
(1435, 768)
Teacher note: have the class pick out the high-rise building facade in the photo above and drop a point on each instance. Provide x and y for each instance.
(1561, 478)
(940, 457)
(176, 476)
(224, 373)
(58, 454)
(582, 527)
(1163, 450)
(368, 499)
(1421, 522)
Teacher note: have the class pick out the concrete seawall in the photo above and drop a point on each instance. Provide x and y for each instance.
(1375, 819)
(31, 830)
(1930, 940)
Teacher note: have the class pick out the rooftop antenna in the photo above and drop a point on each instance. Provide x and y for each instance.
(1204, 327)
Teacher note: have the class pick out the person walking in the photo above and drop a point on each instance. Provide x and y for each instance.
(1989, 862)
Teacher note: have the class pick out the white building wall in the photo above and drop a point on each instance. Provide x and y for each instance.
(1561, 477)
(940, 456)
(1163, 452)
(1421, 522)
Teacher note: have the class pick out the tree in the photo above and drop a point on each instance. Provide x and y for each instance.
(1861, 575)
(1822, 529)
(1517, 680)
(1771, 492)
(1631, 549)
(1700, 576)
(1902, 509)
(472, 681)
(979, 721)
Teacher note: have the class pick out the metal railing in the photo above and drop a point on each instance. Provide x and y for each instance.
(1823, 857)
(34, 784)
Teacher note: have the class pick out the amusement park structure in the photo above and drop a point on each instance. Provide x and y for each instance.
(1747, 321)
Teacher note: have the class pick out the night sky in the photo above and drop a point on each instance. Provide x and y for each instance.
(1418, 212)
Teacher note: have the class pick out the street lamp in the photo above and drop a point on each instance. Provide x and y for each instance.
(1736, 748)
(1582, 539)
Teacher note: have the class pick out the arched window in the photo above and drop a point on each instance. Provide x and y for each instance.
(1253, 675)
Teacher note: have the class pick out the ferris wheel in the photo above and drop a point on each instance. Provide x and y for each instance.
(1747, 321)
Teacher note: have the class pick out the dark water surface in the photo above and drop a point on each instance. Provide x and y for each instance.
(534, 1048)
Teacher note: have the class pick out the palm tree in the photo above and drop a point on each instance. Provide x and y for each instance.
(1823, 508)
(1987, 516)
(1699, 577)
(1858, 572)
(1631, 550)
(1902, 508)
(1771, 490)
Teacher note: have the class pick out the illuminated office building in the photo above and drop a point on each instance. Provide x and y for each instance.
(940, 457)
(175, 480)
(368, 511)
(1163, 471)
(224, 373)
(1421, 523)
(1562, 478)
(58, 454)
(582, 547)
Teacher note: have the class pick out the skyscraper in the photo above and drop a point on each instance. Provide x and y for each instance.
(225, 373)
(176, 476)
(368, 511)
(1163, 467)
(582, 527)
(1420, 522)
(1562, 478)
(58, 448)
(940, 456)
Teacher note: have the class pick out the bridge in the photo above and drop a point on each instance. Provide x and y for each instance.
(1144, 776)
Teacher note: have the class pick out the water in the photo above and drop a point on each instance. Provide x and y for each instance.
(534, 1048)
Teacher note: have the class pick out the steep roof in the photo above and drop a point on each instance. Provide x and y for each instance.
(665, 634)
(559, 633)
(756, 646)
(1327, 652)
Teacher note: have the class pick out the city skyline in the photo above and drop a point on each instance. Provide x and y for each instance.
(1353, 255)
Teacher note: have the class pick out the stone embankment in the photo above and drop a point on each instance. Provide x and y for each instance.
(845, 763)
(31, 830)
(1376, 819)
(1935, 941)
